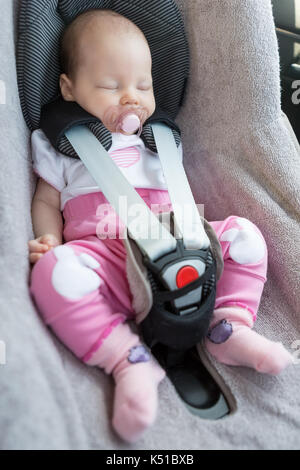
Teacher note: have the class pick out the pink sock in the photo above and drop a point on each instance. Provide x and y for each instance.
(136, 397)
(136, 375)
(232, 341)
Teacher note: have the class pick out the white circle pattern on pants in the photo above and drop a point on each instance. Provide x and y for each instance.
(247, 246)
(73, 276)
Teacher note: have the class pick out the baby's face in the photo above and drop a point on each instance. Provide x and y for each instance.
(114, 74)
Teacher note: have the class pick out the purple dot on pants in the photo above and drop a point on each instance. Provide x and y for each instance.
(220, 332)
(138, 354)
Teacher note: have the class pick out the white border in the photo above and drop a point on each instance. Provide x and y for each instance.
(297, 13)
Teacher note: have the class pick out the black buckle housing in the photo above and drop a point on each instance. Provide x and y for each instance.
(164, 323)
(172, 337)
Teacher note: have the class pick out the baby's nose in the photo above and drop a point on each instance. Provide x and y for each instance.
(129, 98)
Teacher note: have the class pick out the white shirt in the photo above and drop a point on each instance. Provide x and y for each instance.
(70, 177)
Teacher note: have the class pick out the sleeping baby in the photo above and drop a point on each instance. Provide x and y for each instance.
(78, 280)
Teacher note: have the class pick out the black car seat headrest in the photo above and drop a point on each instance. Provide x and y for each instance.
(60, 115)
(41, 24)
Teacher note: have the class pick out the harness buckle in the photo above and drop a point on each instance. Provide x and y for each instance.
(183, 284)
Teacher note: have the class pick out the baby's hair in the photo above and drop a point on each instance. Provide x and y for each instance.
(69, 55)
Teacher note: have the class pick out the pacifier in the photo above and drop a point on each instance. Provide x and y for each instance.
(129, 123)
(126, 122)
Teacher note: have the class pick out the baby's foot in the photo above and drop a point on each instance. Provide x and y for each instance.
(231, 341)
(135, 403)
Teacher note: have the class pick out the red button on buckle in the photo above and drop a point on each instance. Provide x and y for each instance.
(185, 275)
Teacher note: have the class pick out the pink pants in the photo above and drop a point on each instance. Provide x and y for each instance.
(81, 290)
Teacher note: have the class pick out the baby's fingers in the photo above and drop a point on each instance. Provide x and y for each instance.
(34, 257)
(35, 246)
(49, 239)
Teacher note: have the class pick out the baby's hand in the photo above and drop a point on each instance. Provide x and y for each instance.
(40, 246)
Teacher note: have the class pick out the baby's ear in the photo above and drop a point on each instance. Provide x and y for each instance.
(66, 87)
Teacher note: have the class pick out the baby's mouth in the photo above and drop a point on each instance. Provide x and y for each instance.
(126, 121)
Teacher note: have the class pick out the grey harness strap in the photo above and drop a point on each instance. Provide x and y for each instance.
(151, 236)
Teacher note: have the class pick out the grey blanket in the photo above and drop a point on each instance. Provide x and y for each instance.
(241, 158)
